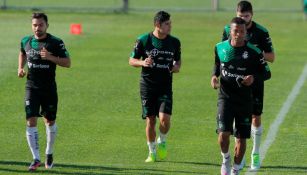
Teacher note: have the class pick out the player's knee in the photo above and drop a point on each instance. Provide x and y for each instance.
(151, 121)
(32, 122)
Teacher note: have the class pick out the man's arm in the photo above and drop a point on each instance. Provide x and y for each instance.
(139, 63)
(64, 62)
(176, 66)
(216, 72)
(21, 63)
(269, 56)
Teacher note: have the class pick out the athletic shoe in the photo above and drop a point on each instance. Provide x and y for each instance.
(49, 161)
(255, 165)
(34, 165)
(226, 167)
(242, 164)
(161, 150)
(151, 158)
(235, 172)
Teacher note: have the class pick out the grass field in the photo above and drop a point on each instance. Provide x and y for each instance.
(100, 128)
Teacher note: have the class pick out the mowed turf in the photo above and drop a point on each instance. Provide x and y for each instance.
(100, 126)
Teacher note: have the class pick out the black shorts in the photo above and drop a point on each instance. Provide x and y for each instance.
(258, 92)
(155, 101)
(234, 118)
(40, 102)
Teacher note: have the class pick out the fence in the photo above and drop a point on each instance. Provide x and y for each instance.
(146, 5)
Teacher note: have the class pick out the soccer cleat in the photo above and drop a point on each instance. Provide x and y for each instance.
(151, 158)
(235, 172)
(226, 167)
(242, 164)
(161, 150)
(255, 165)
(49, 161)
(34, 165)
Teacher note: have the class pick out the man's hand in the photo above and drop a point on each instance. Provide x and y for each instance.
(45, 54)
(148, 62)
(21, 73)
(248, 80)
(215, 82)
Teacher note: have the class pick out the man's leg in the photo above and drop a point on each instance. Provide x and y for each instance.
(151, 137)
(240, 148)
(256, 135)
(51, 131)
(164, 128)
(223, 140)
(32, 138)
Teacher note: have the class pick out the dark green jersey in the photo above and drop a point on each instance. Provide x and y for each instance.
(41, 73)
(163, 52)
(233, 63)
(256, 35)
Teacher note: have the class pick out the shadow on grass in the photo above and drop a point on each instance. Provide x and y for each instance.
(70, 169)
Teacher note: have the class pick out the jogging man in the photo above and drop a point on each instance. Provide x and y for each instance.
(42, 52)
(259, 37)
(239, 64)
(158, 53)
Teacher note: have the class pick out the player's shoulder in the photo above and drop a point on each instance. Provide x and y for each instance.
(143, 38)
(54, 38)
(223, 44)
(174, 39)
(26, 38)
(227, 28)
(253, 48)
(260, 28)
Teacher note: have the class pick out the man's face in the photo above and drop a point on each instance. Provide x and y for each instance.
(165, 27)
(246, 16)
(238, 32)
(39, 27)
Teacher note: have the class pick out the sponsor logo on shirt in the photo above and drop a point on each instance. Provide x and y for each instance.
(38, 66)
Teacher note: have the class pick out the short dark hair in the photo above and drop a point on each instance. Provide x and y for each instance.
(238, 20)
(244, 6)
(161, 17)
(37, 15)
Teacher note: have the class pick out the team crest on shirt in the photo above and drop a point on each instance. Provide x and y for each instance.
(245, 55)
(154, 52)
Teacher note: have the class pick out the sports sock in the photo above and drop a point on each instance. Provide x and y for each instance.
(162, 138)
(236, 166)
(51, 132)
(32, 138)
(256, 133)
(225, 156)
(152, 147)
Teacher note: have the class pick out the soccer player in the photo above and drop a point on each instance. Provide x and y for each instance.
(42, 52)
(259, 37)
(239, 64)
(305, 9)
(158, 53)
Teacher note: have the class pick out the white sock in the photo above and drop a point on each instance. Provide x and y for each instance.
(32, 138)
(161, 138)
(256, 133)
(51, 134)
(225, 156)
(152, 147)
(236, 166)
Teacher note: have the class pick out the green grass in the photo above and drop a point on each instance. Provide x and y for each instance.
(100, 128)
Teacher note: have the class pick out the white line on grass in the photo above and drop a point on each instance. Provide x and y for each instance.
(281, 116)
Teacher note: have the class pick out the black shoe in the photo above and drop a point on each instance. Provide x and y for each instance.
(34, 165)
(49, 161)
